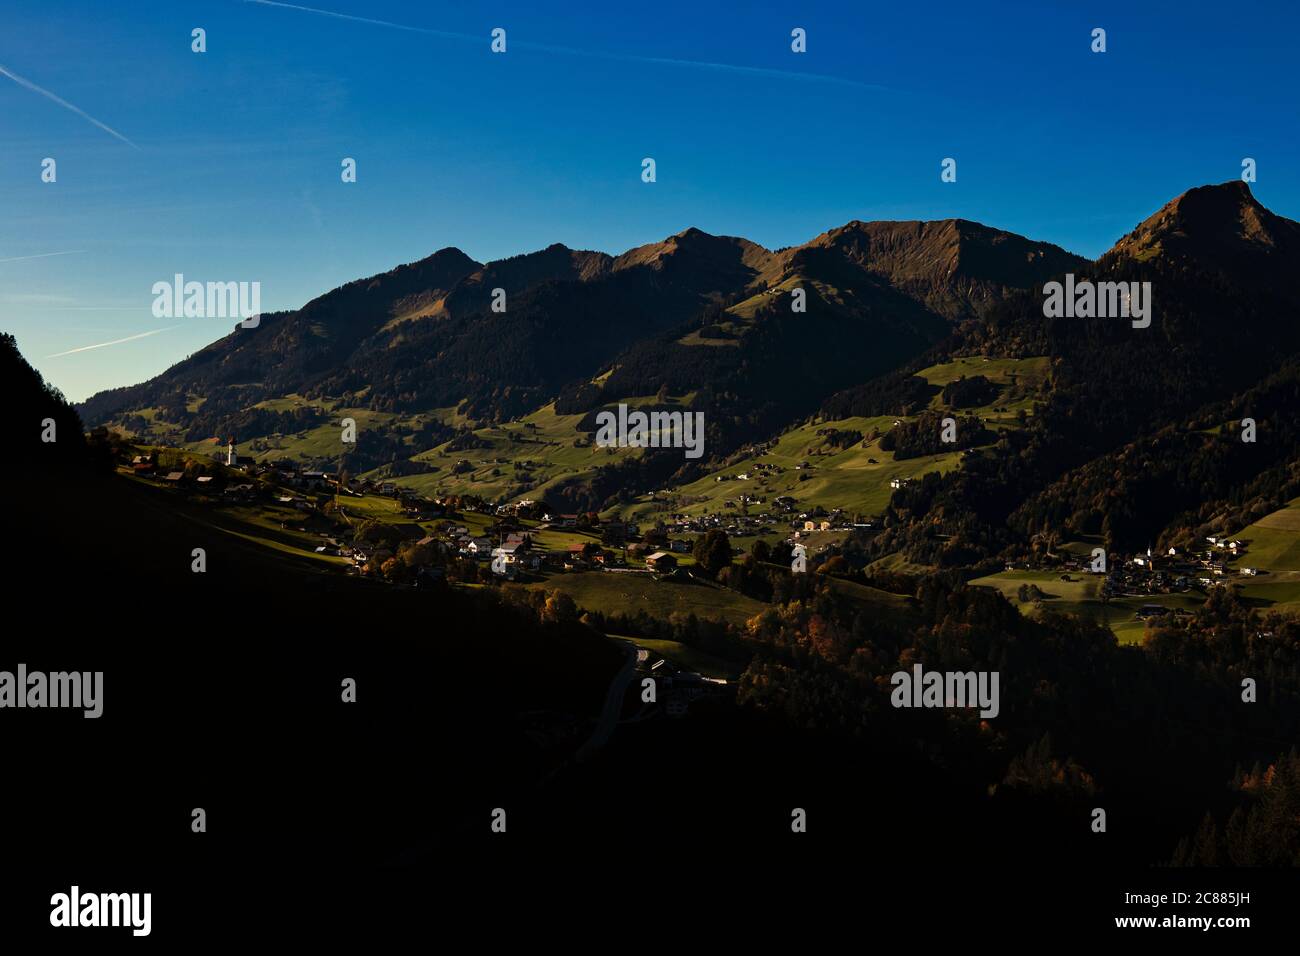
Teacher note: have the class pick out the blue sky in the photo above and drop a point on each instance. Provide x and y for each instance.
(232, 168)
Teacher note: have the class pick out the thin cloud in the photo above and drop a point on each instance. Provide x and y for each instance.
(592, 54)
(65, 104)
(104, 345)
(44, 255)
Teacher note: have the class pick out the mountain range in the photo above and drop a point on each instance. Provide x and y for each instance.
(709, 321)
(424, 335)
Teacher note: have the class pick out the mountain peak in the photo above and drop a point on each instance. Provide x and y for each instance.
(702, 248)
(448, 257)
(1214, 223)
(1215, 206)
(955, 266)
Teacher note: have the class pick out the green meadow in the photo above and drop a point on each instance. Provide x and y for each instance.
(613, 592)
(1080, 596)
(525, 458)
(1273, 542)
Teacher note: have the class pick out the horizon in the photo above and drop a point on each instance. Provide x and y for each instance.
(457, 147)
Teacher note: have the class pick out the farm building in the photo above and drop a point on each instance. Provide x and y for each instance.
(661, 561)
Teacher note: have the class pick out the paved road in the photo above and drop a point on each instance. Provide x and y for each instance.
(613, 704)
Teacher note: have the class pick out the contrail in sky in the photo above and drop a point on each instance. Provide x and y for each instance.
(43, 255)
(103, 345)
(65, 104)
(574, 51)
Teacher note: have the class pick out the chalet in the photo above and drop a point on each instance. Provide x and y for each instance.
(679, 546)
(175, 477)
(522, 541)
(142, 468)
(636, 549)
(899, 482)
(506, 560)
(480, 548)
(661, 561)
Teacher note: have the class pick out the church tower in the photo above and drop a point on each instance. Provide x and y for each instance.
(230, 452)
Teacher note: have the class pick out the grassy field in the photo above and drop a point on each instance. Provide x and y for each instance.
(1020, 379)
(530, 456)
(855, 478)
(845, 478)
(1080, 596)
(1273, 542)
(523, 458)
(613, 592)
(321, 442)
(1273, 547)
(870, 595)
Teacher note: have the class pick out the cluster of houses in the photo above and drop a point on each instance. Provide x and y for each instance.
(1181, 570)
(1173, 572)
(511, 549)
(510, 553)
